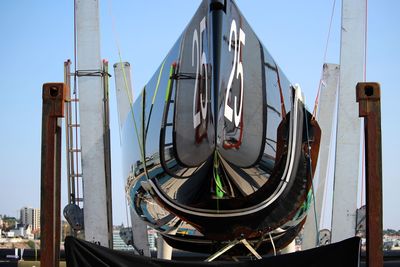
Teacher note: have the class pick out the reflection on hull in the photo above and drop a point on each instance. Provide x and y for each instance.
(224, 147)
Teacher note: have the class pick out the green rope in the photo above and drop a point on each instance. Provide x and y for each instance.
(305, 206)
(171, 73)
(218, 184)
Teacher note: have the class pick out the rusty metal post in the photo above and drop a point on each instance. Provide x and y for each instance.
(50, 223)
(368, 97)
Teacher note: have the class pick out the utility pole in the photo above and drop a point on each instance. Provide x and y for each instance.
(92, 117)
(348, 123)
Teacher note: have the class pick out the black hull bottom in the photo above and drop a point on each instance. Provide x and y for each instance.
(81, 253)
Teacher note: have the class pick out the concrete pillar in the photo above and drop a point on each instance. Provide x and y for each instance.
(325, 118)
(348, 129)
(89, 67)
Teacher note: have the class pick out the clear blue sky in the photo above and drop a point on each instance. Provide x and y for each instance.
(37, 36)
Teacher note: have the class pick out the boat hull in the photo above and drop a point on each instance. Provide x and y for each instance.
(219, 141)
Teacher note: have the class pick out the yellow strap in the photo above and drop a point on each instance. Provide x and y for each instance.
(158, 82)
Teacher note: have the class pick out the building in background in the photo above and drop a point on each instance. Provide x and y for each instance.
(21, 231)
(118, 243)
(8, 223)
(152, 239)
(30, 216)
(65, 230)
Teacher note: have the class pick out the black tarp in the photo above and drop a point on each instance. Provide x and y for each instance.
(81, 253)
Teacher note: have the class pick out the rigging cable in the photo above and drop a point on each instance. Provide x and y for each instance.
(324, 59)
(272, 242)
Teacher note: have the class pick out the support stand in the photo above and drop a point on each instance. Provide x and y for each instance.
(368, 97)
(50, 223)
(231, 245)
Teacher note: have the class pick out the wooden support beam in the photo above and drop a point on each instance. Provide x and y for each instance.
(50, 223)
(368, 97)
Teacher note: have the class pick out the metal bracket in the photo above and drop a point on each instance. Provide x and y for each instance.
(231, 245)
(91, 73)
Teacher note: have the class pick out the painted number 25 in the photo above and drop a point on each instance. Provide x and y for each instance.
(235, 114)
(201, 61)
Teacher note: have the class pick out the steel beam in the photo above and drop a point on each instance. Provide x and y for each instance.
(368, 98)
(50, 223)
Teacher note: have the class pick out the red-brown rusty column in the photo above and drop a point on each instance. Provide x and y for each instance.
(53, 108)
(368, 96)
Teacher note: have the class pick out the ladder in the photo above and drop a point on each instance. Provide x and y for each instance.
(73, 212)
(73, 146)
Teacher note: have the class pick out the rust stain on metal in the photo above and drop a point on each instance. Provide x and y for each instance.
(368, 97)
(50, 223)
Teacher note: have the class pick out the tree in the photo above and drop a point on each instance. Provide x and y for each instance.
(31, 244)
